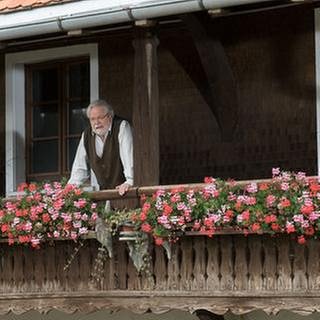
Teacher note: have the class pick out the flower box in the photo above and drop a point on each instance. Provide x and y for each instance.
(47, 212)
(289, 203)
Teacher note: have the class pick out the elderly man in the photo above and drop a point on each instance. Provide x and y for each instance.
(105, 149)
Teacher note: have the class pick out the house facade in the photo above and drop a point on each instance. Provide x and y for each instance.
(233, 91)
(223, 88)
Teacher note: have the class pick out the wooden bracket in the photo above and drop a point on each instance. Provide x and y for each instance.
(218, 87)
(145, 23)
(217, 12)
(78, 33)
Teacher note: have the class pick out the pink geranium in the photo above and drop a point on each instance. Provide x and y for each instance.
(47, 212)
(288, 203)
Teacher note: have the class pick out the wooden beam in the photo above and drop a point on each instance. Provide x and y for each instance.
(157, 301)
(146, 108)
(220, 89)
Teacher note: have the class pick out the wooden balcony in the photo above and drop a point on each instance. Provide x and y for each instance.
(229, 271)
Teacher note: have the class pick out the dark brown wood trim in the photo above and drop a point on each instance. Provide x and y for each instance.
(146, 108)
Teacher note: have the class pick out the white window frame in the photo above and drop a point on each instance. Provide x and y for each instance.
(15, 101)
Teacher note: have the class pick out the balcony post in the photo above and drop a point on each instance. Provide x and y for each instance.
(146, 105)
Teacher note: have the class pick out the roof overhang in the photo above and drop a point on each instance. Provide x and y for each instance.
(94, 13)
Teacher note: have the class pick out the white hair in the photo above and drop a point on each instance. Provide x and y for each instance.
(100, 104)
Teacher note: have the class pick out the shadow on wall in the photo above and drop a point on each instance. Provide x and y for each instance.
(282, 315)
(14, 167)
(100, 315)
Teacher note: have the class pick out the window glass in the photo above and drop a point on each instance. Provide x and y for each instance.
(57, 94)
(45, 156)
(45, 84)
(77, 117)
(79, 80)
(45, 121)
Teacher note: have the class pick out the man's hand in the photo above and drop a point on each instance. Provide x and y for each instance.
(123, 188)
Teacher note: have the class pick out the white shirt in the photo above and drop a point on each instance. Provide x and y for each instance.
(80, 172)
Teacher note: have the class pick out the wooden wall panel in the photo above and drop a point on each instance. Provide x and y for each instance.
(227, 272)
(226, 263)
(271, 54)
(116, 58)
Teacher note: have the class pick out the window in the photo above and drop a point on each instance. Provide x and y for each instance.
(57, 94)
(16, 126)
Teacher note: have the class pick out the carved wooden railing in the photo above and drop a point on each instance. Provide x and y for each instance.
(229, 271)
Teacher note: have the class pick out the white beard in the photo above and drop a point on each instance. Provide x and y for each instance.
(100, 132)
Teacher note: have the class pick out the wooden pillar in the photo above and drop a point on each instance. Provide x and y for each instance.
(145, 115)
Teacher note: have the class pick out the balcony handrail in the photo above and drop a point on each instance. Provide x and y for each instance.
(137, 192)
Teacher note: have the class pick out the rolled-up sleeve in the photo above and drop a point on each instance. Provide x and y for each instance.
(80, 171)
(126, 150)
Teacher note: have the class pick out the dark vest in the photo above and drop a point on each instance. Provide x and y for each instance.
(108, 169)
